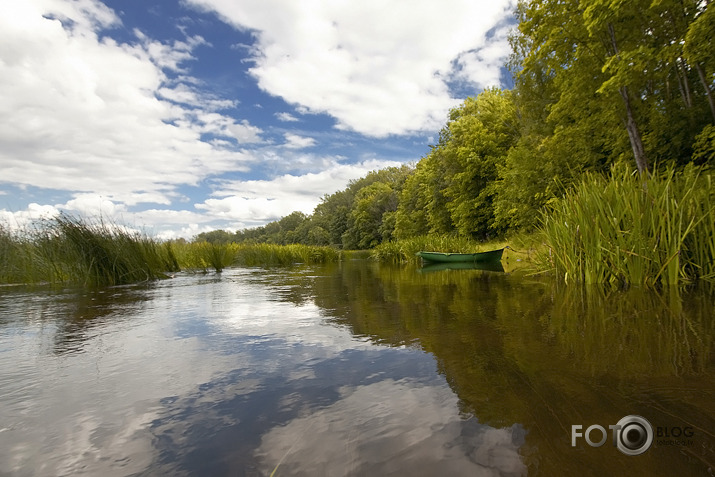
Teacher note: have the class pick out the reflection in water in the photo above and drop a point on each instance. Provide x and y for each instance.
(549, 357)
(349, 369)
(412, 430)
(489, 266)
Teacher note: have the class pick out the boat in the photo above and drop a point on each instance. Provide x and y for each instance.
(481, 257)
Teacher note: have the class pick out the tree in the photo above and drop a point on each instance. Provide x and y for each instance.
(215, 236)
(365, 222)
(622, 60)
(482, 131)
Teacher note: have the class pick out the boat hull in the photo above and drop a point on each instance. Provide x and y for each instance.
(482, 257)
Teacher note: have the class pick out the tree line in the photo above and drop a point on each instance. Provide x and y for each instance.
(596, 82)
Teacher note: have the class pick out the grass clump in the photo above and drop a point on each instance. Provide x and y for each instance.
(404, 251)
(624, 229)
(91, 253)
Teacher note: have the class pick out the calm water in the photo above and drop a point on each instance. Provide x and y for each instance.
(351, 369)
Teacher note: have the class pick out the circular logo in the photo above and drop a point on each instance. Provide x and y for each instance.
(634, 436)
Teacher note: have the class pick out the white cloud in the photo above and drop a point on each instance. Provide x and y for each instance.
(23, 218)
(83, 114)
(294, 141)
(224, 126)
(170, 56)
(93, 205)
(184, 94)
(482, 66)
(259, 201)
(286, 117)
(379, 68)
(419, 425)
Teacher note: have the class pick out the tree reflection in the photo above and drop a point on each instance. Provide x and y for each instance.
(525, 351)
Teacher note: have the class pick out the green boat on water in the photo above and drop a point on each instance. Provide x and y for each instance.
(481, 257)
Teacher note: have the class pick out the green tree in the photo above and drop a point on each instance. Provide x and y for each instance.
(411, 215)
(481, 132)
(615, 65)
(365, 222)
(215, 236)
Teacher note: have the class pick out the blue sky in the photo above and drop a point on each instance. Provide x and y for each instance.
(179, 117)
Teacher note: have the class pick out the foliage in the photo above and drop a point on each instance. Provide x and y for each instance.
(365, 220)
(704, 147)
(624, 230)
(611, 64)
(452, 188)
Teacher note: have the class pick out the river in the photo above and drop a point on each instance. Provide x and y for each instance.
(356, 369)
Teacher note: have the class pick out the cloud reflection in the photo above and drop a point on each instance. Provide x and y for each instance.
(411, 430)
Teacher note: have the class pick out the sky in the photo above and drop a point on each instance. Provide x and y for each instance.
(180, 117)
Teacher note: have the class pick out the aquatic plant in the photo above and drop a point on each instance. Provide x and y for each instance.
(89, 252)
(202, 255)
(624, 229)
(272, 254)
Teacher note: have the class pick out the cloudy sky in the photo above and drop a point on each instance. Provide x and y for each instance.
(181, 116)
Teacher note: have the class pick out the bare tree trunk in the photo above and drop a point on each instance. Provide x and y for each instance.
(634, 133)
(708, 91)
(631, 124)
(686, 84)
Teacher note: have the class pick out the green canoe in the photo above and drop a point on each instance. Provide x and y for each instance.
(439, 257)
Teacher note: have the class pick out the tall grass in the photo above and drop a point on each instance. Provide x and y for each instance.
(91, 253)
(624, 229)
(271, 254)
(404, 251)
(203, 255)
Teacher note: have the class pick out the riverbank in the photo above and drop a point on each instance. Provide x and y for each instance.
(618, 230)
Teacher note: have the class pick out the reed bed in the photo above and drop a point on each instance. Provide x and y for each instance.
(272, 254)
(404, 251)
(90, 253)
(203, 256)
(624, 229)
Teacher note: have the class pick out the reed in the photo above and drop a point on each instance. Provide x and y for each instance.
(91, 253)
(272, 254)
(204, 255)
(623, 229)
(16, 258)
(405, 250)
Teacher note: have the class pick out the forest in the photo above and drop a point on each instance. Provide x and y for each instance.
(597, 84)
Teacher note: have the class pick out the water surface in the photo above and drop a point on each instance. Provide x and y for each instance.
(350, 369)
